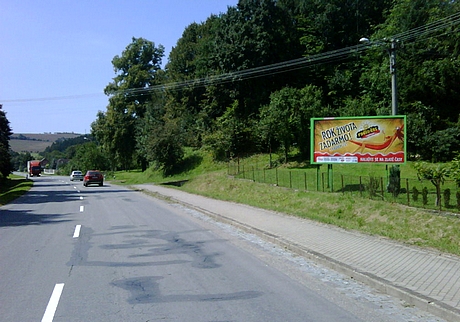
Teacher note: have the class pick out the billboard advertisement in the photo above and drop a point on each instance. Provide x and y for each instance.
(370, 139)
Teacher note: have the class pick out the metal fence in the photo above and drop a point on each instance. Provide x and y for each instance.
(411, 192)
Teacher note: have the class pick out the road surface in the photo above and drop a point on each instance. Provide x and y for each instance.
(74, 253)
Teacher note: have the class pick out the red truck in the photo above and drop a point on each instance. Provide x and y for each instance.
(34, 168)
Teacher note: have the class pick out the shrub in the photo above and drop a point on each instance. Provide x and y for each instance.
(373, 187)
(425, 196)
(415, 194)
(458, 199)
(394, 184)
(446, 198)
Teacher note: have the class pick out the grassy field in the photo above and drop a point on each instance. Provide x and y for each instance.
(13, 188)
(37, 142)
(415, 226)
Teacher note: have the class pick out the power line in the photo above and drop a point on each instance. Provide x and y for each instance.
(412, 35)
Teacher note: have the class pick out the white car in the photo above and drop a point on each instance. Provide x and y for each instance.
(76, 175)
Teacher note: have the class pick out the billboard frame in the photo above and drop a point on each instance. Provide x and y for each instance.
(379, 139)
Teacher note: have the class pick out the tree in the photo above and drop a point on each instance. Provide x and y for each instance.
(255, 34)
(138, 69)
(89, 157)
(231, 135)
(5, 157)
(163, 140)
(286, 120)
(436, 173)
(277, 119)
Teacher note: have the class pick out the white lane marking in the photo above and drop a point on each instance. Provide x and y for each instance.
(53, 303)
(82, 208)
(81, 197)
(76, 233)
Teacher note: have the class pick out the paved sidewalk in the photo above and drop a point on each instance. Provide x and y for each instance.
(424, 278)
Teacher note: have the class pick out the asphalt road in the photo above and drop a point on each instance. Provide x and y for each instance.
(74, 253)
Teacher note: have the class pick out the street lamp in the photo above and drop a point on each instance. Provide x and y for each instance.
(394, 86)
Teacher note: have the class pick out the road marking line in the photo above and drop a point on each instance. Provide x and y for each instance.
(53, 303)
(82, 208)
(81, 197)
(76, 233)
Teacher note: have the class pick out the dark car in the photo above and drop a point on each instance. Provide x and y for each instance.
(93, 177)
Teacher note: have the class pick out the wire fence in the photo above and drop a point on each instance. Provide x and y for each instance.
(411, 192)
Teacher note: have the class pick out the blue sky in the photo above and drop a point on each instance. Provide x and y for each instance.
(55, 57)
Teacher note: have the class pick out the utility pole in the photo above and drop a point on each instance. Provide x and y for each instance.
(394, 85)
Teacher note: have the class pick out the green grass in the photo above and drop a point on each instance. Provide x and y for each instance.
(392, 220)
(13, 188)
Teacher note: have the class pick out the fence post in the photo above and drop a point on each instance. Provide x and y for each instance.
(408, 193)
(322, 180)
(276, 175)
(244, 173)
(305, 180)
(264, 176)
(290, 179)
(253, 176)
(317, 178)
(381, 186)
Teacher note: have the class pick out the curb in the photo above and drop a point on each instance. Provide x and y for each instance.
(418, 300)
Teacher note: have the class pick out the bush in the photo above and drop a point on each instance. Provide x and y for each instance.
(373, 187)
(425, 196)
(458, 199)
(415, 194)
(447, 198)
(394, 184)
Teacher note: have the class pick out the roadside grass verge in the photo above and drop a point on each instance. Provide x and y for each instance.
(391, 220)
(13, 188)
(414, 226)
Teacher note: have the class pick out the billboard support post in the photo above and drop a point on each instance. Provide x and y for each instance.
(330, 178)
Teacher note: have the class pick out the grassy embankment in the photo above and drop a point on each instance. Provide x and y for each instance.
(391, 220)
(13, 188)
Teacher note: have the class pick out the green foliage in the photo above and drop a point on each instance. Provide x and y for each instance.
(425, 196)
(5, 157)
(445, 144)
(415, 194)
(89, 156)
(394, 184)
(248, 80)
(233, 135)
(446, 198)
(13, 187)
(457, 196)
(138, 68)
(436, 173)
(373, 186)
(164, 145)
(455, 169)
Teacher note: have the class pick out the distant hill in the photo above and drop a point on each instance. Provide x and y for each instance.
(37, 142)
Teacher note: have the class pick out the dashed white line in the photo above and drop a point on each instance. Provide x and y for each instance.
(76, 233)
(53, 303)
(82, 208)
(81, 197)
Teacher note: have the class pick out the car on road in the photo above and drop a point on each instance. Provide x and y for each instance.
(76, 175)
(93, 177)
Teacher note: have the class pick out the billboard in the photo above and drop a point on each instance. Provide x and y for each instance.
(358, 140)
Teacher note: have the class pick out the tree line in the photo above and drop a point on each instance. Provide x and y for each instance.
(248, 81)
